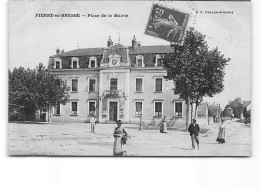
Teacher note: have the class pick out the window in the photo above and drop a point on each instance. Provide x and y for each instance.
(57, 64)
(139, 61)
(74, 108)
(57, 109)
(158, 85)
(158, 60)
(139, 85)
(74, 85)
(158, 109)
(92, 85)
(113, 84)
(74, 62)
(138, 108)
(91, 108)
(92, 62)
(178, 109)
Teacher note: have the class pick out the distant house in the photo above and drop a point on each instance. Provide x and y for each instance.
(202, 114)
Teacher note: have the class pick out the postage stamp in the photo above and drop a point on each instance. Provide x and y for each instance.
(166, 23)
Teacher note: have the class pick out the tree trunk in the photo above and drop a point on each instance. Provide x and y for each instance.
(187, 113)
(191, 113)
(195, 116)
(49, 115)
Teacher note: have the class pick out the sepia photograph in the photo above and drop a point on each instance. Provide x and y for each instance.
(129, 79)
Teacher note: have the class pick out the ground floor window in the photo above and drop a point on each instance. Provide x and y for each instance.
(158, 108)
(138, 107)
(74, 108)
(178, 109)
(57, 109)
(91, 108)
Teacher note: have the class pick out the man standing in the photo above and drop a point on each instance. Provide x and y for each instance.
(92, 124)
(194, 130)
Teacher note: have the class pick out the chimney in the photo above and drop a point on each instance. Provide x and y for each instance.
(109, 42)
(62, 51)
(58, 51)
(134, 43)
(139, 44)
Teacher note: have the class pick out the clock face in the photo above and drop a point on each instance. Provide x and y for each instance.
(114, 61)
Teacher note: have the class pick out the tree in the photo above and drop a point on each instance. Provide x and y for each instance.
(237, 106)
(225, 112)
(35, 89)
(195, 70)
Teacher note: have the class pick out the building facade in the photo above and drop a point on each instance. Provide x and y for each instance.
(116, 82)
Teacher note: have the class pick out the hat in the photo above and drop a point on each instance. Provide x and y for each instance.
(119, 122)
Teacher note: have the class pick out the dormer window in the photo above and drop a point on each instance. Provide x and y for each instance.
(57, 63)
(74, 62)
(139, 61)
(92, 62)
(158, 60)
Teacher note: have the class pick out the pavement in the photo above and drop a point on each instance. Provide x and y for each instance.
(75, 139)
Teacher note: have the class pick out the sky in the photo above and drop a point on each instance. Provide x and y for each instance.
(33, 39)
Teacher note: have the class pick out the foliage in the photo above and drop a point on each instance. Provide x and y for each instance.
(195, 70)
(237, 106)
(35, 89)
(225, 112)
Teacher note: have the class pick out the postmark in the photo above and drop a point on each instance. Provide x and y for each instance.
(166, 23)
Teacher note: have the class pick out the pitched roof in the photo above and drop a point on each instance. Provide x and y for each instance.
(99, 51)
(81, 52)
(246, 103)
(117, 46)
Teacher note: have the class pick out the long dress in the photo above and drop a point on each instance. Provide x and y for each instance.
(221, 134)
(119, 144)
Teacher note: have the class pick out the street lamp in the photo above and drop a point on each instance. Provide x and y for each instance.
(140, 126)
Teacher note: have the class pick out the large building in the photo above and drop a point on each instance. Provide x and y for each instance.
(116, 82)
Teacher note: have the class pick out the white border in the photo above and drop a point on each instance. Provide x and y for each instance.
(210, 175)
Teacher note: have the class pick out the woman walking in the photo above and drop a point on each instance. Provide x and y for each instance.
(221, 133)
(163, 128)
(120, 136)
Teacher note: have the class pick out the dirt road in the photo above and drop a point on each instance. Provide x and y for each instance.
(75, 139)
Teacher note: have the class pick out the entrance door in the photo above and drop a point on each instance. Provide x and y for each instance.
(112, 111)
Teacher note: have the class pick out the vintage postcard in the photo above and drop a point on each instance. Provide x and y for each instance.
(135, 79)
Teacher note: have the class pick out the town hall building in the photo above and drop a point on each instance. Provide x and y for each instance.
(116, 82)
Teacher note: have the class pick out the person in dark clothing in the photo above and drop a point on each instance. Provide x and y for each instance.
(194, 130)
